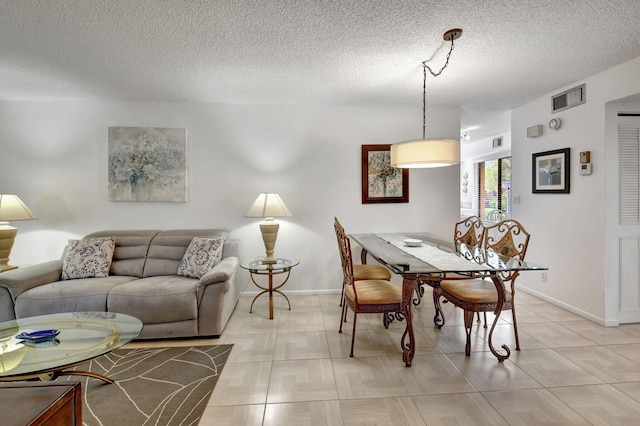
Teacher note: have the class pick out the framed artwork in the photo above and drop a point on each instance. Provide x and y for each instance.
(550, 171)
(147, 164)
(382, 183)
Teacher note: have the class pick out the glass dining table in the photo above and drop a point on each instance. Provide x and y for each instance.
(434, 257)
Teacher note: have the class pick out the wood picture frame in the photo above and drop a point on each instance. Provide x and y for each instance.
(550, 172)
(382, 183)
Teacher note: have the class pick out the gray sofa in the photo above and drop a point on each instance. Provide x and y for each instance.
(142, 282)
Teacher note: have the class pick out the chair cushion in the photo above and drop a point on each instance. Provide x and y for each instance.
(476, 290)
(370, 272)
(374, 292)
(88, 258)
(200, 257)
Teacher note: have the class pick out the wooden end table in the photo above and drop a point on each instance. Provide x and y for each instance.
(50, 403)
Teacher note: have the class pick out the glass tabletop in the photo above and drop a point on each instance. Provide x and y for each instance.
(83, 336)
(257, 265)
(434, 255)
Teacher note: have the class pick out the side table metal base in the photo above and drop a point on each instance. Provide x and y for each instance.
(282, 266)
(270, 300)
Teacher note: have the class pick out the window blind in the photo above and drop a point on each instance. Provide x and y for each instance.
(629, 169)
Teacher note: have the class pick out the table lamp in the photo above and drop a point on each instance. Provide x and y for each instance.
(11, 208)
(268, 206)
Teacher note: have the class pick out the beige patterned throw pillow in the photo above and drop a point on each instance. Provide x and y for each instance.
(200, 257)
(88, 258)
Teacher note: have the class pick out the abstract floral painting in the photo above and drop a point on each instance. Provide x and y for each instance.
(382, 183)
(147, 164)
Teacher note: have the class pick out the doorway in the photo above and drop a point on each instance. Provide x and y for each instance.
(628, 221)
(494, 192)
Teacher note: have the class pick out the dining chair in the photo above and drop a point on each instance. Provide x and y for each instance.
(469, 231)
(365, 272)
(373, 296)
(508, 240)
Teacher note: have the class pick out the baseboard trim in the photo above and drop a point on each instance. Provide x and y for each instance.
(555, 302)
(570, 308)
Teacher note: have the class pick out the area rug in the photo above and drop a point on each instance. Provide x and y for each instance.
(159, 386)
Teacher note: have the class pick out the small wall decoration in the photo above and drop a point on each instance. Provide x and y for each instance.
(550, 171)
(382, 183)
(147, 164)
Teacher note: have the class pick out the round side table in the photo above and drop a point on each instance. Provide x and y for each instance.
(257, 268)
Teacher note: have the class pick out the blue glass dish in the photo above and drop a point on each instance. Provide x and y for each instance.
(38, 336)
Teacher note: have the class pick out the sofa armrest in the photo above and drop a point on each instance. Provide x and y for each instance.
(17, 281)
(223, 271)
(231, 248)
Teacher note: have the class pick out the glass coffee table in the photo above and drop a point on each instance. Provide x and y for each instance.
(83, 336)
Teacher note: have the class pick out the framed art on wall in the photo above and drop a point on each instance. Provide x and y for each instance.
(147, 164)
(551, 171)
(382, 183)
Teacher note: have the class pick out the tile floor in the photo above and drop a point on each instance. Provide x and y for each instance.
(296, 370)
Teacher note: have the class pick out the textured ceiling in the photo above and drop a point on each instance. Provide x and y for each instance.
(308, 51)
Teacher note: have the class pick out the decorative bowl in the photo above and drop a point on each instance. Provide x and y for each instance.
(412, 242)
(38, 336)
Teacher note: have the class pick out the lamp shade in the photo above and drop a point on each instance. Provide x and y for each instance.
(12, 208)
(268, 205)
(424, 153)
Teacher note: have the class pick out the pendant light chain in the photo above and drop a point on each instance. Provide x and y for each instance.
(424, 87)
(445, 64)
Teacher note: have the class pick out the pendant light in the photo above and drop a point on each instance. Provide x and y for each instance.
(428, 153)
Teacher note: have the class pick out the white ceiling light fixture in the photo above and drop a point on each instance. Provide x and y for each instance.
(428, 153)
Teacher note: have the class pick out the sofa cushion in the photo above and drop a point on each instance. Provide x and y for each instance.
(200, 257)
(131, 250)
(88, 258)
(156, 299)
(84, 294)
(168, 247)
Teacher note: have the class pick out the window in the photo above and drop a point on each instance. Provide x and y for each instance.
(494, 179)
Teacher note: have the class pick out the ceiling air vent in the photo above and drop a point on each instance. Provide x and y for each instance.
(497, 142)
(568, 99)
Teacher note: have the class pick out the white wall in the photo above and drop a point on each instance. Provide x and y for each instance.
(568, 230)
(54, 156)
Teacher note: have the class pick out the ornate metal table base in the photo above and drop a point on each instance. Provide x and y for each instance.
(54, 374)
(412, 295)
(469, 314)
(438, 318)
(500, 287)
(408, 347)
(412, 282)
(271, 289)
(389, 317)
